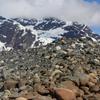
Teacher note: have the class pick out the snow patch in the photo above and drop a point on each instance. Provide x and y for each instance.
(2, 46)
(46, 37)
(93, 39)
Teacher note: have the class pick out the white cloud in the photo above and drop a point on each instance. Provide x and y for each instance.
(73, 10)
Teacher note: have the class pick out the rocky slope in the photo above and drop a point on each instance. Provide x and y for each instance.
(66, 69)
(48, 59)
(22, 33)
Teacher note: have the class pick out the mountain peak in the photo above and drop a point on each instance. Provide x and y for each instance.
(21, 33)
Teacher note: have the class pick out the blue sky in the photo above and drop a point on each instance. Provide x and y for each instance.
(93, 0)
(96, 29)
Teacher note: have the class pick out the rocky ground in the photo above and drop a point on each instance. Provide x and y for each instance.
(68, 69)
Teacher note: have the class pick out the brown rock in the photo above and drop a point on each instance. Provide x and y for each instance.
(70, 85)
(64, 94)
(22, 82)
(41, 89)
(95, 88)
(98, 96)
(90, 84)
(39, 97)
(85, 89)
(80, 93)
(26, 94)
(21, 98)
(10, 84)
(84, 79)
(93, 78)
(79, 98)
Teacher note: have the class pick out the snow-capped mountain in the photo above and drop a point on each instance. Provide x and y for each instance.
(19, 33)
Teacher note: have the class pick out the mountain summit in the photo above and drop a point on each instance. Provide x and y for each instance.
(22, 33)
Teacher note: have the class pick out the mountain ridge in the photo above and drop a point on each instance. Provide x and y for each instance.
(23, 33)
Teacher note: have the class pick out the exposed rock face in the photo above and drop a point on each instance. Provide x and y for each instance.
(63, 94)
(67, 64)
(21, 33)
